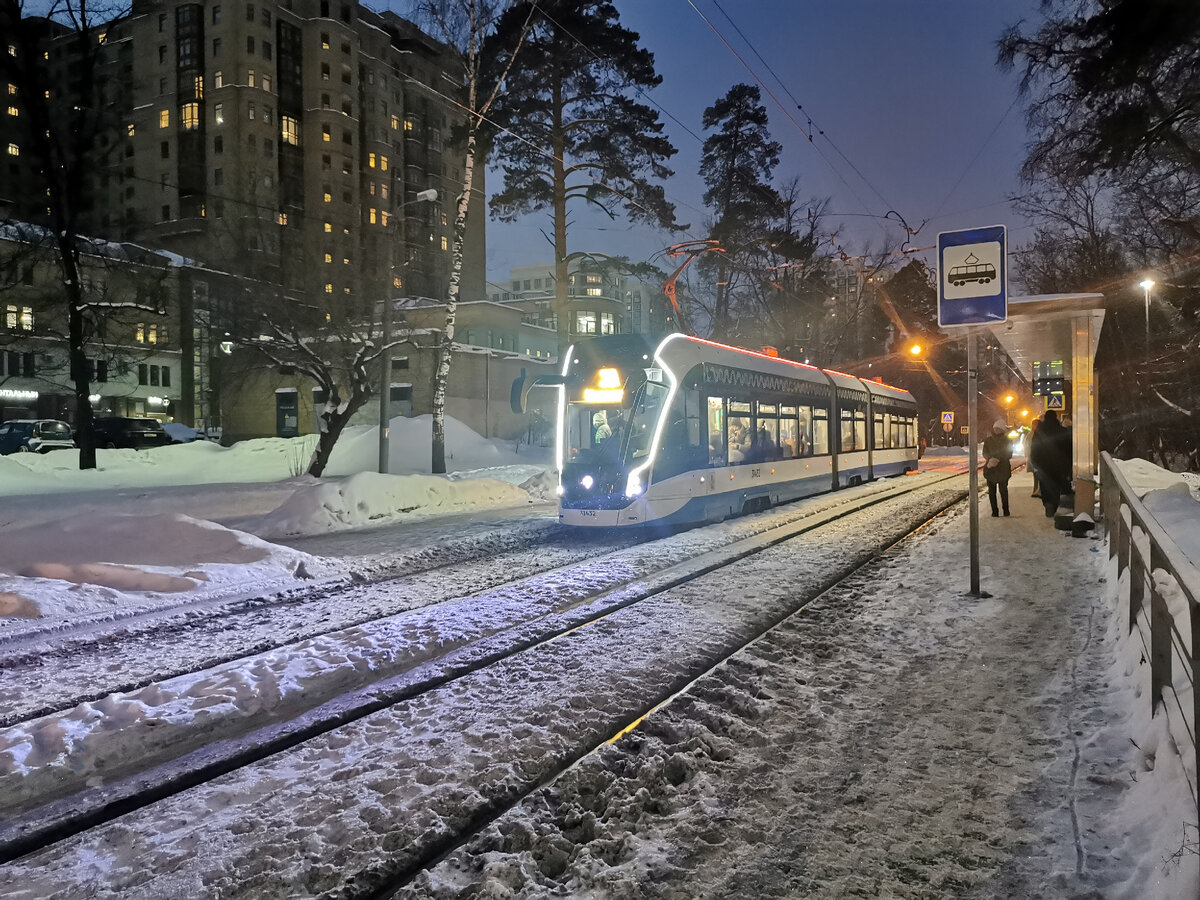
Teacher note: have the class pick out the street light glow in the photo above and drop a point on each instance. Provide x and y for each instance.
(915, 349)
(1009, 398)
(1146, 284)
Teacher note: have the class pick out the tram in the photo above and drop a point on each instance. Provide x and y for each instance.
(687, 431)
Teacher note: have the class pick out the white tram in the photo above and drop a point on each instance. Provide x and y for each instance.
(694, 431)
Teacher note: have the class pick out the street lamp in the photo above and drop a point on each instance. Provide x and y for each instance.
(1145, 285)
(385, 353)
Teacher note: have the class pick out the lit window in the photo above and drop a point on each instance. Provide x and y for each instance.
(282, 219)
(329, 228)
(374, 215)
(190, 116)
(328, 257)
(383, 163)
(328, 288)
(14, 150)
(141, 333)
(325, 133)
(327, 196)
(12, 91)
(129, 129)
(371, 160)
(219, 113)
(218, 79)
(27, 318)
(384, 191)
(409, 124)
(383, 217)
(324, 41)
(164, 118)
(594, 292)
(289, 130)
(445, 243)
(395, 120)
(396, 282)
(250, 78)
(13, 111)
(198, 84)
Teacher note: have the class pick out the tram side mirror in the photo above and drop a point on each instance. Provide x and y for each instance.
(518, 394)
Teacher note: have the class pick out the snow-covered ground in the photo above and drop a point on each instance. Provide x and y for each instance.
(196, 518)
(814, 764)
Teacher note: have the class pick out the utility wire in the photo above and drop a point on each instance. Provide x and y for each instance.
(987, 140)
(800, 107)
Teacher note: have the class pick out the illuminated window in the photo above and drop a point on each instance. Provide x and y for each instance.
(190, 116)
(395, 119)
(141, 333)
(289, 130)
(371, 160)
(445, 243)
(409, 124)
(218, 80)
(384, 191)
(328, 257)
(325, 133)
(12, 92)
(250, 78)
(383, 217)
(14, 150)
(328, 288)
(329, 228)
(219, 113)
(383, 163)
(327, 195)
(198, 84)
(345, 260)
(324, 40)
(282, 218)
(13, 111)
(164, 118)
(594, 292)
(129, 129)
(396, 282)
(374, 215)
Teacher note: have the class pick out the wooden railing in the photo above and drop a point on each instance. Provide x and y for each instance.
(1142, 546)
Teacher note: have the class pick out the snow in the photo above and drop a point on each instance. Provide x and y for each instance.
(1000, 744)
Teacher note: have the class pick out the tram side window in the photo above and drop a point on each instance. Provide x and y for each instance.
(739, 431)
(854, 429)
(681, 449)
(880, 432)
(716, 431)
(789, 433)
(766, 438)
(847, 431)
(820, 431)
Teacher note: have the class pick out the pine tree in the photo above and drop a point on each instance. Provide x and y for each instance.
(736, 163)
(566, 127)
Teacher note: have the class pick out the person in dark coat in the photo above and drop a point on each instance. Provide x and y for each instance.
(997, 465)
(1050, 458)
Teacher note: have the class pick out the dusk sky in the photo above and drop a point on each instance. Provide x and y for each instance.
(907, 94)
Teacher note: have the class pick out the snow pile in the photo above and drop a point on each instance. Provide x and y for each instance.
(117, 562)
(1144, 476)
(372, 499)
(1172, 498)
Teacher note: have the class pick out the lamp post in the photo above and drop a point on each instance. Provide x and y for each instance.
(385, 353)
(1145, 286)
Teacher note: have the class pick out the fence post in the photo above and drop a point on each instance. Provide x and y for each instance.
(1160, 636)
(1137, 580)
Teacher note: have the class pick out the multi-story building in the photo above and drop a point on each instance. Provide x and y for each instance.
(601, 301)
(281, 145)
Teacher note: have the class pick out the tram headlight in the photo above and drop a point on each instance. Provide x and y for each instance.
(559, 490)
(634, 487)
(586, 482)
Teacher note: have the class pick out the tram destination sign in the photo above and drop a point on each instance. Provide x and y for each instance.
(972, 276)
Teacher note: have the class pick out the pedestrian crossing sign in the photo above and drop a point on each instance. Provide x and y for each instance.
(1054, 401)
(948, 418)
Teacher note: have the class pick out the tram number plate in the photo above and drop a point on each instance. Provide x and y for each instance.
(756, 473)
(588, 513)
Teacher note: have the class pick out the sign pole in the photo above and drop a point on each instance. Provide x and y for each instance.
(973, 455)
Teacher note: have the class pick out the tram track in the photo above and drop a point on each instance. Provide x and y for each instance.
(42, 825)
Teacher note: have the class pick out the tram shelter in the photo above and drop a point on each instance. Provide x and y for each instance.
(1047, 328)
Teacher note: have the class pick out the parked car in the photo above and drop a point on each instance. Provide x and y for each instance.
(35, 436)
(129, 433)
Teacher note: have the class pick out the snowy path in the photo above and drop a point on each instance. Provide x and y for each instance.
(411, 776)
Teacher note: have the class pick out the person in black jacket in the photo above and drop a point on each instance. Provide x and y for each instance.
(997, 465)
(1050, 458)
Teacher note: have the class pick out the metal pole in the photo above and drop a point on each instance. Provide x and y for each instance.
(973, 455)
(385, 385)
(1147, 290)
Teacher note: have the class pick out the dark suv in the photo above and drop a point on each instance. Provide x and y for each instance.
(132, 434)
(35, 436)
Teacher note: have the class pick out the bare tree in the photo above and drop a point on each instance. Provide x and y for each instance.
(465, 25)
(61, 129)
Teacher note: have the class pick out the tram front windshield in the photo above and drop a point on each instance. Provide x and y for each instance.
(611, 434)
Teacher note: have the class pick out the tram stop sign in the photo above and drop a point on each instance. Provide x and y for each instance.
(973, 276)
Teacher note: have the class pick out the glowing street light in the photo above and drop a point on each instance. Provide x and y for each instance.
(1145, 285)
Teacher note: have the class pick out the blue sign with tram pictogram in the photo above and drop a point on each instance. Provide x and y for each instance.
(973, 276)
